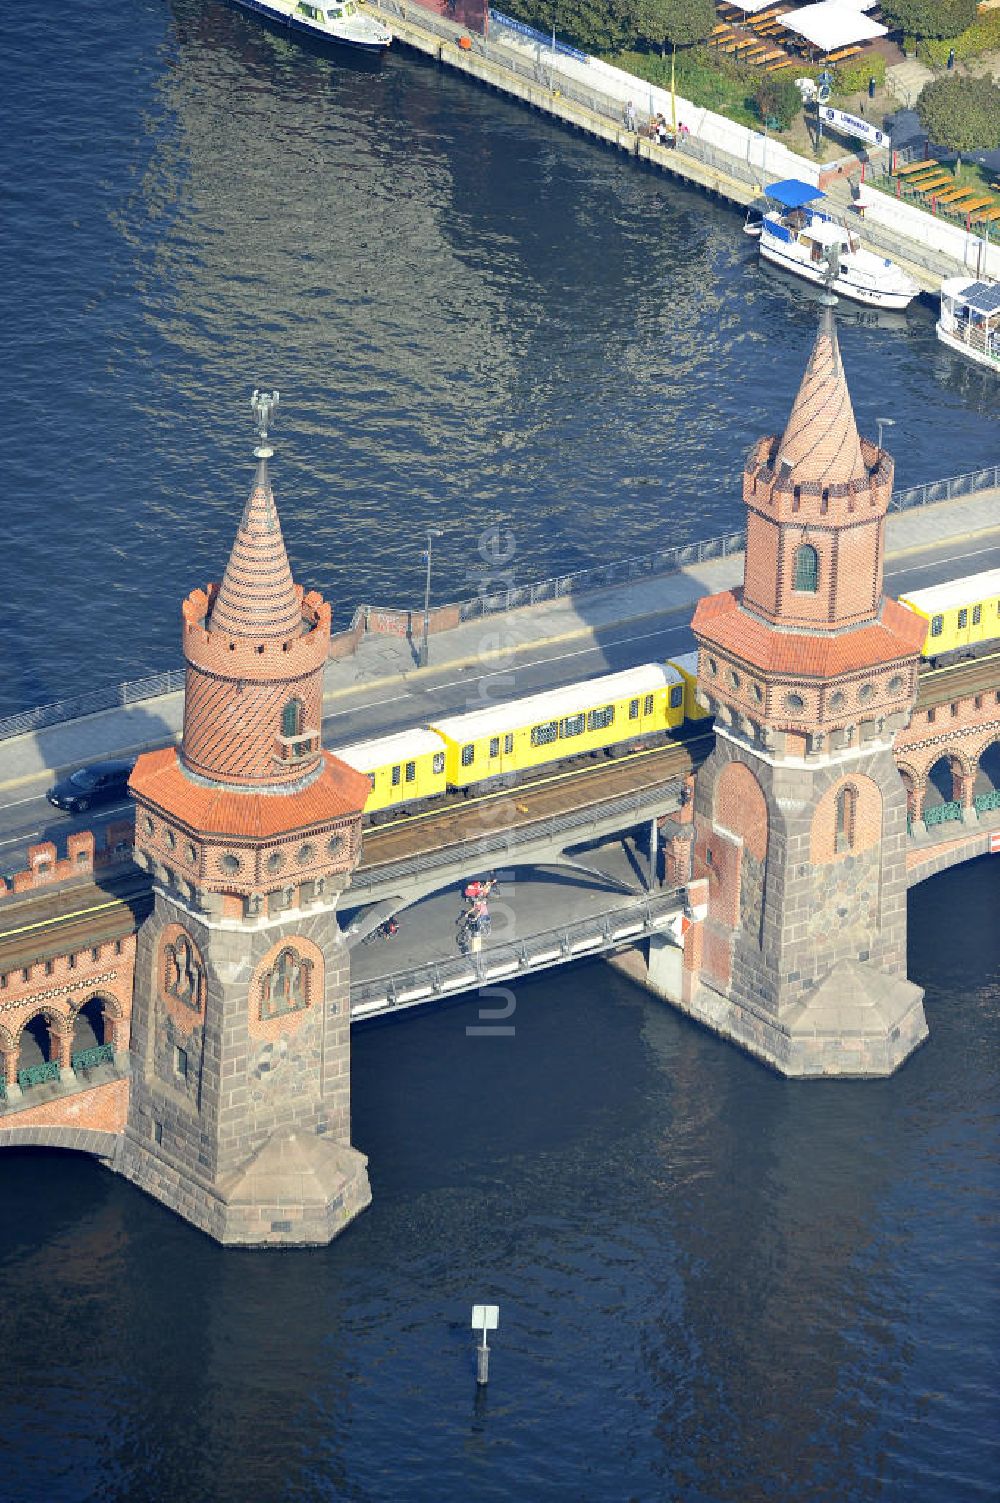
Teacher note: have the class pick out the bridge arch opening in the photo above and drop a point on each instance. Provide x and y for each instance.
(946, 781)
(37, 1054)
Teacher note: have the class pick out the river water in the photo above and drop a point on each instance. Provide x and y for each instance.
(469, 312)
(714, 1285)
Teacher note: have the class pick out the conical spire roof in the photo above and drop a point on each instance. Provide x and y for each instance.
(257, 597)
(821, 440)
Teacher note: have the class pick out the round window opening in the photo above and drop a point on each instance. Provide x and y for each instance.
(275, 861)
(794, 702)
(758, 693)
(229, 863)
(734, 678)
(713, 667)
(191, 854)
(148, 825)
(307, 853)
(836, 700)
(335, 844)
(895, 684)
(865, 693)
(169, 839)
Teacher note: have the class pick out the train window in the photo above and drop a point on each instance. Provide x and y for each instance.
(542, 735)
(468, 754)
(647, 705)
(438, 764)
(633, 709)
(937, 625)
(371, 779)
(508, 744)
(599, 720)
(395, 776)
(963, 617)
(676, 696)
(495, 746)
(411, 771)
(977, 614)
(573, 725)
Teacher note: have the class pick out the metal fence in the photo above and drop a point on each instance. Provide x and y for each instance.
(651, 565)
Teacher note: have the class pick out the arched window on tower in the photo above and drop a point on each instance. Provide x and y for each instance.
(847, 802)
(291, 718)
(806, 569)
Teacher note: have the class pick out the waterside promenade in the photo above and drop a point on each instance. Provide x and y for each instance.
(560, 87)
(378, 687)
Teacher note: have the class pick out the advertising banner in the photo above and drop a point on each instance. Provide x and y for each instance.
(851, 125)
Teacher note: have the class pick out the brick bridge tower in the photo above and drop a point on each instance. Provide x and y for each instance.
(800, 813)
(239, 1116)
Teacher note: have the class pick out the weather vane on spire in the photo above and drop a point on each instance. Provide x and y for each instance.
(263, 404)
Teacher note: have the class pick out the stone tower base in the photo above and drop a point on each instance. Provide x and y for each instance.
(299, 1190)
(857, 1022)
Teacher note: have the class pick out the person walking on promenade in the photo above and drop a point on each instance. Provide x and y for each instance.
(951, 59)
(630, 116)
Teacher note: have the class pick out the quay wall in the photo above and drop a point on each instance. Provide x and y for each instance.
(717, 155)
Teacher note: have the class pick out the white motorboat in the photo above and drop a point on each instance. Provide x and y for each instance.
(813, 245)
(970, 320)
(344, 22)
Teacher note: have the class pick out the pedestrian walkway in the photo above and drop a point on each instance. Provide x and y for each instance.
(906, 79)
(385, 664)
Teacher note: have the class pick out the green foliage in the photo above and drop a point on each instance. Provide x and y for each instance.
(777, 97)
(961, 114)
(983, 36)
(852, 77)
(930, 18)
(598, 26)
(673, 23)
(706, 79)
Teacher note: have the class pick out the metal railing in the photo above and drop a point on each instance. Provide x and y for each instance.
(89, 1059)
(983, 802)
(652, 565)
(620, 925)
(38, 1074)
(111, 697)
(941, 814)
(632, 806)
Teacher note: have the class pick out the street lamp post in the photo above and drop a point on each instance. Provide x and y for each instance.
(883, 422)
(432, 533)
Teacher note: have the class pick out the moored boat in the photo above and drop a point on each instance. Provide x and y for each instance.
(969, 322)
(813, 245)
(343, 22)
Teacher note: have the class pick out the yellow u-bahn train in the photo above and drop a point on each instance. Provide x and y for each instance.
(616, 713)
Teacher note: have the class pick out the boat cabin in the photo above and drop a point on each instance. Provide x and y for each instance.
(970, 312)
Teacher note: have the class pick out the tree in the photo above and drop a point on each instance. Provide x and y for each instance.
(961, 114)
(597, 26)
(778, 99)
(673, 23)
(930, 18)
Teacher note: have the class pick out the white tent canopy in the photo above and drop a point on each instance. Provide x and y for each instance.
(832, 24)
(750, 7)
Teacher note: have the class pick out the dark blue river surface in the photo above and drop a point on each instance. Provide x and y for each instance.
(714, 1285)
(468, 310)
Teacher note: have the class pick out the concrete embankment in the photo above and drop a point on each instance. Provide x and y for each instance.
(715, 154)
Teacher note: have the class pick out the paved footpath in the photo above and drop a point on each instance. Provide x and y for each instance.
(515, 639)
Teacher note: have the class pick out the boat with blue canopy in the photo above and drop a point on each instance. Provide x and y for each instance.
(811, 243)
(970, 320)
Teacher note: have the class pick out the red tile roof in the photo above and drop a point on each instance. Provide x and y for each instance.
(821, 438)
(159, 779)
(257, 598)
(720, 620)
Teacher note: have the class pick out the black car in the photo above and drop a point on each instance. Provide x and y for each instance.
(100, 783)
